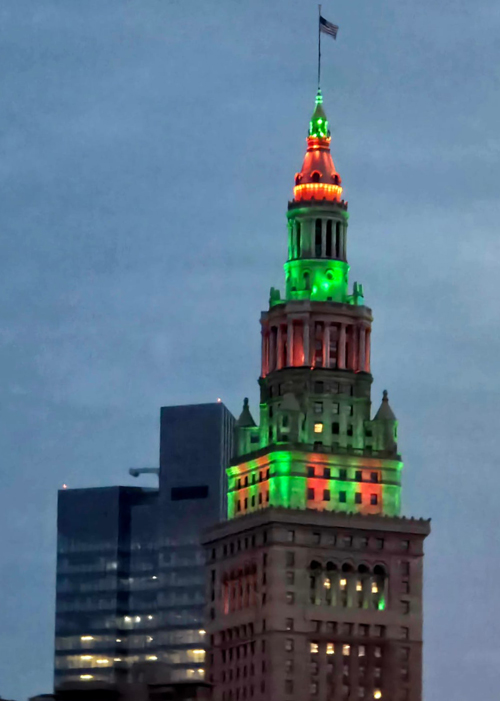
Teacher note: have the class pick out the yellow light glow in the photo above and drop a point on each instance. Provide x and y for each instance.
(343, 583)
(137, 619)
(118, 640)
(103, 661)
(86, 676)
(150, 618)
(346, 650)
(153, 658)
(307, 191)
(117, 659)
(330, 649)
(327, 584)
(202, 632)
(318, 428)
(86, 637)
(377, 694)
(374, 588)
(359, 586)
(313, 648)
(86, 657)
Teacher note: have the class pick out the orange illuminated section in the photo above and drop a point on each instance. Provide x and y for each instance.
(317, 191)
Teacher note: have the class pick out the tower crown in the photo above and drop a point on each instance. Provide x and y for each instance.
(318, 179)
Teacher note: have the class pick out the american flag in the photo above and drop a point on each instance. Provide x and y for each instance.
(328, 27)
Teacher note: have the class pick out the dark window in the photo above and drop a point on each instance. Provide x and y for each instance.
(326, 495)
(290, 597)
(288, 686)
(310, 493)
(373, 499)
(405, 587)
(349, 430)
(374, 476)
(329, 238)
(238, 506)
(368, 432)
(310, 471)
(327, 472)
(246, 503)
(405, 633)
(317, 238)
(290, 559)
(363, 630)
(316, 538)
(359, 476)
(298, 239)
(290, 536)
(337, 240)
(405, 606)
(253, 500)
(405, 568)
(335, 428)
(290, 577)
(342, 497)
(180, 493)
(342, 474)
(405, 544)
(319, 387)
(357, 498)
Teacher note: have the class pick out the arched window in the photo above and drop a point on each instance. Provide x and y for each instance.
(315, 176)
(338, 234)
(378, 585)
(329, 238)
(314, 582)
(298, 239)
(307, 281)
(317, 238)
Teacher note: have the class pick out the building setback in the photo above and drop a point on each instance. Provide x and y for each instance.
(315, 581)
(130, 579)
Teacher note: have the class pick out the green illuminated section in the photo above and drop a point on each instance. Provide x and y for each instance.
(318, 126)
(318, 280)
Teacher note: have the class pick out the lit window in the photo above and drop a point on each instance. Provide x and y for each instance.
(343, 583)
(327, 584)
(86, 676)
(118, 640)
(137, 619)
(102, 661)
(361, 651)
(346, 650)
(151, 658)
(330, 649)
(377, 694)
(318, 427)
(359, 585)
(374, 588)
(117, 659)
(86, 637)
(314, 648)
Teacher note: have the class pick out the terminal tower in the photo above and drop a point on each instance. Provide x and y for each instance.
(315, 579)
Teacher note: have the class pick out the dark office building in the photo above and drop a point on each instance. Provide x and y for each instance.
(130, 586)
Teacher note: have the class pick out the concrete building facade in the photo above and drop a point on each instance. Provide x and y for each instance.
(315, 581)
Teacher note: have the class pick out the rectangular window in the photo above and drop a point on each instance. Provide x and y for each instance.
(318, 427)
(405, 568)
(183, 493)
(349, 430)
(316, 538)
(310, 493)
(317, 626)
(288, 686)
(289, 666)
(358, 476)
(290, 577)
(289, 644)
(289, 624)
(319, 387)
(342, 497)
(318, 407)
(358, 498)
(335, 428)
(326, 495)
(342, 474)
(405, 587)
(405, 633)
(405, 545)
(290, 559)
(314, 688)
(363, 630)
(310, 471)
(290, 536)
(405, 607)
(313, 648)
(379, 543)
(327, 472)
(331, 626)
(379, 631)
(361, 651)
(335, 408)
(330, 649)
(290, 597)
(350, 410)
(373, 499)
(346, 650)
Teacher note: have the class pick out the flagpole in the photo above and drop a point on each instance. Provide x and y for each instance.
(319, 46)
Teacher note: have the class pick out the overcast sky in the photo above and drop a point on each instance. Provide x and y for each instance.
(147, 153)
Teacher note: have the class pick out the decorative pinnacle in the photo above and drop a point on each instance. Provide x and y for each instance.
(318, 126)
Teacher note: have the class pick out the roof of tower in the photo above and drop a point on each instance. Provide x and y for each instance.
(318, 178)
(245, 419)
(385, 412)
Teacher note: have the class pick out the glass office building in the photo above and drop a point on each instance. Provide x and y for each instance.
(130, 582)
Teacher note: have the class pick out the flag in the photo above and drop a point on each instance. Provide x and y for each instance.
(327, 27)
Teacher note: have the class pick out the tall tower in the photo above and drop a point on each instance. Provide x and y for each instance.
(315, 581)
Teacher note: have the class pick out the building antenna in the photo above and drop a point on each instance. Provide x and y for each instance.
(319, 47)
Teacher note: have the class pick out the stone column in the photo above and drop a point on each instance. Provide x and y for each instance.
(362, 348)
(307, 361)
(341, 348)
(265, 353)
(272, 349)
(279, 349)
(289, 360)
(368, 350)
(326, 345)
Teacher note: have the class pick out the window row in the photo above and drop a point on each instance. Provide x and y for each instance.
(318, 387)
(363, 692)
(329, 239)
